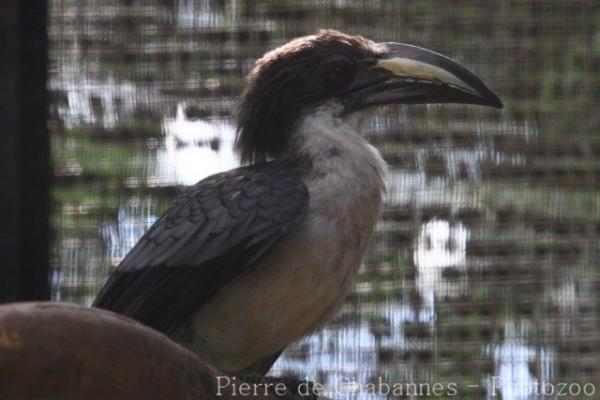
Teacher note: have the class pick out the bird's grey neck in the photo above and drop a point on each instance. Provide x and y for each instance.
(334, 159)
(325, 142)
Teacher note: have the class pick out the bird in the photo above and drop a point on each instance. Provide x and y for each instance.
(247, 261)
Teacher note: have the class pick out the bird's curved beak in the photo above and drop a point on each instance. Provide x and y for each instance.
(406, 74)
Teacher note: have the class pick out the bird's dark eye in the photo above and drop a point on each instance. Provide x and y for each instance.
(337, 74)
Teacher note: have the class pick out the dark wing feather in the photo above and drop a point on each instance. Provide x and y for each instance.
(217, 229)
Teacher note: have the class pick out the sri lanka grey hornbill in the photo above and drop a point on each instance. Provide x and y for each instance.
(247, 261)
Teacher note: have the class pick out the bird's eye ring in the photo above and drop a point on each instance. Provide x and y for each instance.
(337, 74)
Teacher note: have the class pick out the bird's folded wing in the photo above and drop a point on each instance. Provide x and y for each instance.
(216, 230)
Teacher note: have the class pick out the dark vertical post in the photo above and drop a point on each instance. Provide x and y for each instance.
(9, 198)
(24, 151)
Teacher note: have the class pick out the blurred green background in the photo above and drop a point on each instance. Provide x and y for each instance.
(485, 263)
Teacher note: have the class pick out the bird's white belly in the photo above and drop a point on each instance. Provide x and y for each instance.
(304, 279)
(291, 293)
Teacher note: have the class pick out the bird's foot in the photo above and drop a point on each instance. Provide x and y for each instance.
(285, 387)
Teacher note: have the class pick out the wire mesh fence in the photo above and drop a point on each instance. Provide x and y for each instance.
(483, 271)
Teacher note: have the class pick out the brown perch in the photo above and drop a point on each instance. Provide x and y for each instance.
(65, 351)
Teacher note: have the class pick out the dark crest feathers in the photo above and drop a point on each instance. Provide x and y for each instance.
(277, 92)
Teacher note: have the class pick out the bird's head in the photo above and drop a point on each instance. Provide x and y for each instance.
(352, 72)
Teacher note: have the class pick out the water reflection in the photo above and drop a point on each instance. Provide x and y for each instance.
(513, 377)
(131, 223)
(198, 14)
(101, 103)
(194, 149)
(346, 360)
(441, 260)
(565, 298)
